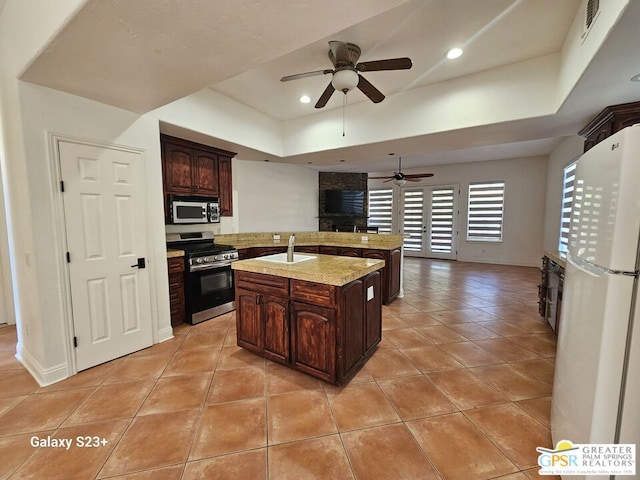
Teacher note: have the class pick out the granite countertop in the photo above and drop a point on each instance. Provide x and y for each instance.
(173, 252)
(334, 239)
(327, 269)
(559, 257)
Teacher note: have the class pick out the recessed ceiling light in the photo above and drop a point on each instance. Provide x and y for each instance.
(636, 78)
(454, 53)
(342, 161)
(266, 159)
(305, 99)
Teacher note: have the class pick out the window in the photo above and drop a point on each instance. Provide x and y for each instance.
(380, 209)
(568, 187)
(485, 211)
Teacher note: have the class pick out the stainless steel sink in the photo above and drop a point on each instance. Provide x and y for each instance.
(282, 258)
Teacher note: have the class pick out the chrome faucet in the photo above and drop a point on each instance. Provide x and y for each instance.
(292, 240)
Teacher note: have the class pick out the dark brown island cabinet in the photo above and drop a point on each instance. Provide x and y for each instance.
(323, 330)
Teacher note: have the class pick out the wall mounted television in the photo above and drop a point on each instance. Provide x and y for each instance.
(350, 202)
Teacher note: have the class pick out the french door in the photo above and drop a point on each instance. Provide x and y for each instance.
(429, 221)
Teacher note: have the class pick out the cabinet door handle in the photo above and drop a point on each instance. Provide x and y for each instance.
(258, 299)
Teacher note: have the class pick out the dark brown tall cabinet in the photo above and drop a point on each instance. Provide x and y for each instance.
(190, 168)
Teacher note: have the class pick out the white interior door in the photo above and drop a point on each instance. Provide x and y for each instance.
(105, 218)
(429, 221)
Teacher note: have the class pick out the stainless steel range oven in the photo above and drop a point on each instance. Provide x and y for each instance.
(209, 289)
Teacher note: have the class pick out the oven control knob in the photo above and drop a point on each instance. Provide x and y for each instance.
(226, 256)
(199, 260)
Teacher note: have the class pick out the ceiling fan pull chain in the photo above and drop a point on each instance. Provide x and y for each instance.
(344, 104)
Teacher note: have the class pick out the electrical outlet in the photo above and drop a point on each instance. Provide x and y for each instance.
(369, 293)
(365, 238)
(276, 237)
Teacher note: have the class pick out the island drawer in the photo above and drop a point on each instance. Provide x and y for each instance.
(258, 282)
(315, 293)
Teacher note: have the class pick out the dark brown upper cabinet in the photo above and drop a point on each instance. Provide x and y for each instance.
(190, 168)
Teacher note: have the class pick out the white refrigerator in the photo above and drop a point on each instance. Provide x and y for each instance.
(596, 391)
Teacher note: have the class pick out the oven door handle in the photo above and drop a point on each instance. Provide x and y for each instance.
(210, 266)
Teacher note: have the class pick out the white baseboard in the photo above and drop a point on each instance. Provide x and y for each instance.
(165, 334)
(497, 261)
(44, 376)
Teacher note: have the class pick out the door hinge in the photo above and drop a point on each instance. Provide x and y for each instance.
(68, 257)
(75, 342)
(62, 185)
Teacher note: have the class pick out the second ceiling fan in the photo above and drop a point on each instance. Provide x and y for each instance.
(346, 72)
(400, 178)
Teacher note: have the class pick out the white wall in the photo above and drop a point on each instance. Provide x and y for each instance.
(275, 196)
(267, 197)
(46, 111)
(566, 152)
(525, 186)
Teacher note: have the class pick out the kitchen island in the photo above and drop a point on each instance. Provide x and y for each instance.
(387, 247)
(321, 315)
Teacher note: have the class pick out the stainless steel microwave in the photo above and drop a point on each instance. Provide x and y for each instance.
(187, 209)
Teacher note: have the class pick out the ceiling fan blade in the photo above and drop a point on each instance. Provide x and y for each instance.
(419, 175)
(409, 179)
(379, 178)
(305, 75)
(388, 180)
(369, 90)
(403, 63)
(326, 95)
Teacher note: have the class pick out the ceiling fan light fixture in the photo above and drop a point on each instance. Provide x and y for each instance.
(399, 181)
(305, 99)
(345, 80)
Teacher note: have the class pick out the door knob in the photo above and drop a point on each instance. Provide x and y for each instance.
(141, 263)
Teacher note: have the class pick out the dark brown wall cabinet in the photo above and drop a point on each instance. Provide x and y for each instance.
(322, 330)
(193, 169)
(176, 290)
(609, 121)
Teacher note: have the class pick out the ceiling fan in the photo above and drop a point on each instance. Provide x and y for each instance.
(346, 72)
(400, 178)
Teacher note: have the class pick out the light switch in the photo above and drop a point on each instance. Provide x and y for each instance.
(370, 293)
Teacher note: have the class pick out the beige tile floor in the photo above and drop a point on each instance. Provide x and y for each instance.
(458, 389)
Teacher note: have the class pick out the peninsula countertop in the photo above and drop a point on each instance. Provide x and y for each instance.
(373, 241)
(326, 269)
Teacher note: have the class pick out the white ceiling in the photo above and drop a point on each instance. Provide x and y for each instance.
(493, 33)
(141, 54)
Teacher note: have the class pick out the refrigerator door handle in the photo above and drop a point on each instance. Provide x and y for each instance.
(597, 270)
